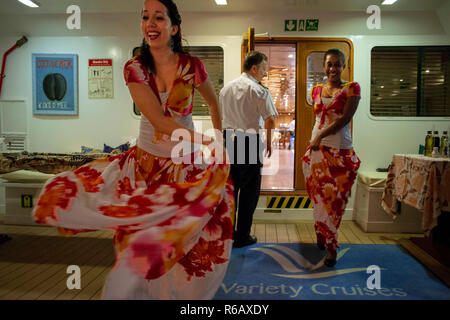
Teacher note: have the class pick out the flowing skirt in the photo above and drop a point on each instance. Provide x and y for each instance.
(173, 222)
(330, 174)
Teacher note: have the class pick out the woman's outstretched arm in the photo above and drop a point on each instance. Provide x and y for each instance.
(145, 99)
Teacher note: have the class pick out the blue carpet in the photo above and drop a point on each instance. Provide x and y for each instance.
(296, 271)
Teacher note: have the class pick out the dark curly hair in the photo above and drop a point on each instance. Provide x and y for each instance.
(176, 41)
(335, 52)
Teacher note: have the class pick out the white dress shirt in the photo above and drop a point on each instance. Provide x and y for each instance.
(243, 102)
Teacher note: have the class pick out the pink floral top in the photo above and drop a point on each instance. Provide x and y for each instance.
(326, 114)
(191, 74)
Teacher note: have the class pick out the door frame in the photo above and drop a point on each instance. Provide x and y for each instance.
(301, 42)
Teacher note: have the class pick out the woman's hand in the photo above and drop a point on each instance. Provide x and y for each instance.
(315, 143)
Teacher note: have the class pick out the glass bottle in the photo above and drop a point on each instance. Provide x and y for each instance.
(436, 140)
(428, 144)
(443, 149)
(435, 153)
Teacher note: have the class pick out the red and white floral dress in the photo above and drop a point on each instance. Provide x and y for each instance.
(330, 171)
(173, 222)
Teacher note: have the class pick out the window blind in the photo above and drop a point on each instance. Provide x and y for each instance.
(410, 81)
(212, 58)
(435, 78)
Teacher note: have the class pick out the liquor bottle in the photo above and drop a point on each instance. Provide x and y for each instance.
(428, 144)
(443, 149)
(436, 140)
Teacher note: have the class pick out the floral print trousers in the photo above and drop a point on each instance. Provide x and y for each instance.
(330, 174)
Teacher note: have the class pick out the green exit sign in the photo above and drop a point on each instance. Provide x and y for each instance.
(312, 25)
(301, 25)
(290, 25)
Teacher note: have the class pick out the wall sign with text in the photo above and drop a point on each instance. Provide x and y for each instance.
(55, 84)
(100, 79)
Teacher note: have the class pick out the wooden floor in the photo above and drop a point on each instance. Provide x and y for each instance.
(34, 264)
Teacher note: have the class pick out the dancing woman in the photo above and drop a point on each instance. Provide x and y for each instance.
(330, 164)
(173, 218)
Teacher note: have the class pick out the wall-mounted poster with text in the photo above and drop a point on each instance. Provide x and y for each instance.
(100, 79)
(55, 84)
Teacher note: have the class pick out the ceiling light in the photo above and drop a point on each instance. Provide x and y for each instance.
(30, 3)
(221, 2)
(388, 2)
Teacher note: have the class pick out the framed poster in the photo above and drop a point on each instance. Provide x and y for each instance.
(55, 84)
(100, 79)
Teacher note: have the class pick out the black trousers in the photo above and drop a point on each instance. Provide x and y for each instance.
(245, 153)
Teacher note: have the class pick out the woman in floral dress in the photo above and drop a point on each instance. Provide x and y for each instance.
(330, 164)
(173, 218)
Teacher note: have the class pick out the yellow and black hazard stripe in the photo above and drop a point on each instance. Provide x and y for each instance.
(289, 202)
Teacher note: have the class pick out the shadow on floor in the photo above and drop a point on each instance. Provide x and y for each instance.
(55, 249)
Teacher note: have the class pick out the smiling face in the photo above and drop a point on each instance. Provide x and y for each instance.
(156, 25)
(333, 67)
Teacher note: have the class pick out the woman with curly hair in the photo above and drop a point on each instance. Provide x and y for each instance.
(330, 164)
(172, 213)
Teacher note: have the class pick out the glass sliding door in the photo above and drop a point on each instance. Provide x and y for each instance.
(281, 82)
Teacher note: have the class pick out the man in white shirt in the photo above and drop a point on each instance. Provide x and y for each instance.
(242, 102)
(291, 133)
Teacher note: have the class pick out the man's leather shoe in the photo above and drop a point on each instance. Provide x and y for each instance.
(246, 242)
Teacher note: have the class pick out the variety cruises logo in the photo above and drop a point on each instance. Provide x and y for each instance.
(302, 262)
(306, 279)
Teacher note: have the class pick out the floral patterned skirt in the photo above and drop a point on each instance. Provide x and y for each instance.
(173, 222)
(330, 174)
